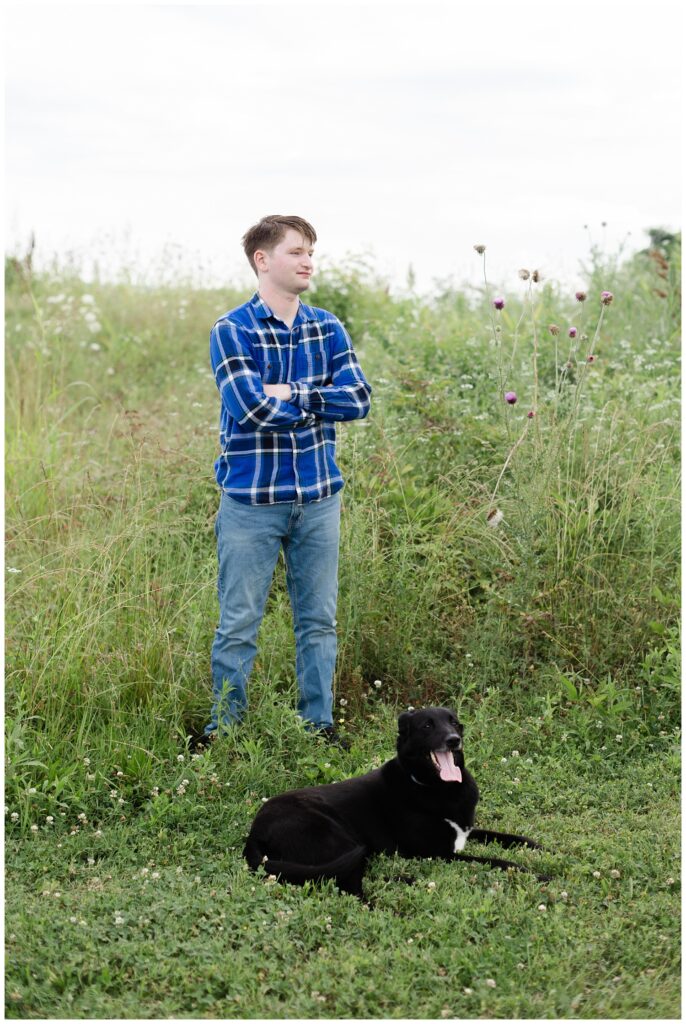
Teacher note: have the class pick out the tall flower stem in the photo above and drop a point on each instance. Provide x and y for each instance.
(497, 337)
(513, 449)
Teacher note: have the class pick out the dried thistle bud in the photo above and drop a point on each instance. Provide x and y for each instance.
(606, 298)
(536, 276)
(481, 249)
(524, 274)
(554, 329)
(580, 296)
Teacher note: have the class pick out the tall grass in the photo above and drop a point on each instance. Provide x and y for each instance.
(111, 431)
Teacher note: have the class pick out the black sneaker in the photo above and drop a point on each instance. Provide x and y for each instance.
(200, 742)
(333, 738)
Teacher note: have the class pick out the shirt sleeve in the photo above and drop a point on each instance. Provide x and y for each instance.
(348, 395)
(240, 385)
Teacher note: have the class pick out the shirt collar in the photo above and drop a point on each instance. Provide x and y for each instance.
(263, 311)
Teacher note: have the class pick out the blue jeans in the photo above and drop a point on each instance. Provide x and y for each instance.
(249, 539)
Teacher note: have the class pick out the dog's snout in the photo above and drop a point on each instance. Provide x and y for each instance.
(454, 742)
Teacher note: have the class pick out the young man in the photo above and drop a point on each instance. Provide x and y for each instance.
(286, 372)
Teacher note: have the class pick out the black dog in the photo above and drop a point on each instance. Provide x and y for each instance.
(420, 804)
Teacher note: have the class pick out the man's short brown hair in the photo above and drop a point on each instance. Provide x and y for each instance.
(270, 230)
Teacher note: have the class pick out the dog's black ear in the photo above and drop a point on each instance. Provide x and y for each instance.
(404, 723)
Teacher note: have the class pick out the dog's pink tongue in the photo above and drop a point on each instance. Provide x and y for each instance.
(448, 769)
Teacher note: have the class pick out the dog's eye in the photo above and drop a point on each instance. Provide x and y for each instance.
(428, 725)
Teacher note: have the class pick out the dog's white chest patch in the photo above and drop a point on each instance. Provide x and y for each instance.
(461, 835)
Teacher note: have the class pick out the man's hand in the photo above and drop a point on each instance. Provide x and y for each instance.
(282, 391)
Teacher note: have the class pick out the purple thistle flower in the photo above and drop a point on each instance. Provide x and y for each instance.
(510, 397)
(499, 303)
(572, 332)
(580, 296)
(606, 298)
(591, 359)
(530, 415)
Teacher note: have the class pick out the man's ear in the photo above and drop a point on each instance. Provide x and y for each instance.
(404, 723)
(259, 257)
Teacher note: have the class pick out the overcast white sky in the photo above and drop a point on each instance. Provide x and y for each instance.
(411, 132)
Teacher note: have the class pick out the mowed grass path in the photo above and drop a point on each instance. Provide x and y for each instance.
(158, 917)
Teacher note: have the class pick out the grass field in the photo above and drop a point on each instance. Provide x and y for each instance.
(554, 632)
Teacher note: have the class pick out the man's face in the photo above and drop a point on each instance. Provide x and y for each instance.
(288, 266)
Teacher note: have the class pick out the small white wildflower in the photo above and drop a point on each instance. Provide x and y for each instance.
(503, 760)
(596, 874)
(619, 738)
(110, 371)
(91, 862)
(32, 789)
(431, 885)
(87, 761)
(670, 881)
(87, 300)
(468, 991)
(378, 683)
(73, 920)
(521, 966)
(490, 982)
(14, 816)
(180, 757)
(49, 819)
(515, 753)
(343, 702)
(542, 907)
(98, 832)
(564, 895)
(155, 874)
(82, 817)
(615, 873)
(11, 568)
(34, 828)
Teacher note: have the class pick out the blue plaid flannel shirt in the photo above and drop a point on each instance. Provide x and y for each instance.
(273, 451)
